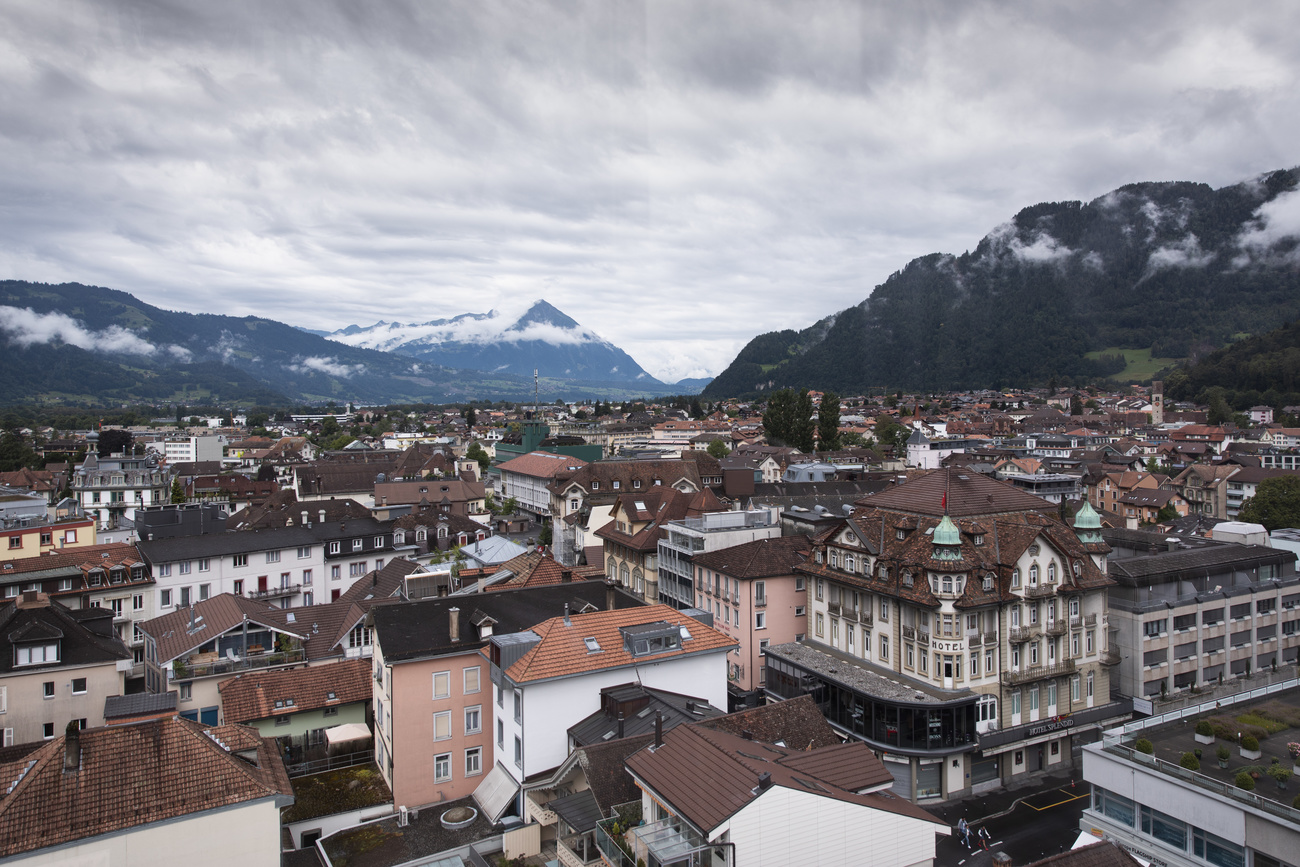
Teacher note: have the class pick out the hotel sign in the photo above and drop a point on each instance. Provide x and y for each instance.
(1052, 725)
(948, 646)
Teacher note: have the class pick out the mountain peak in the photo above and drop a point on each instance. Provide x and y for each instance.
(544, 313)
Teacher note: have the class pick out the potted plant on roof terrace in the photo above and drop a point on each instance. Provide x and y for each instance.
(1250, 747)
(1204, 732)
(1281, 773)
(1294, 749)
(1223, 754)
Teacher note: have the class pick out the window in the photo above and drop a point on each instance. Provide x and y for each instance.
(884, 647)
(69, 536)
(798, 611)
(78, 686)
(306, 577)
(1153, 628)
(1015, 579)
(336, 572)
(47, 538)
(204, 591)
(884, 610)
(239, 560)
(273, 556)
(441, 684)
(15, 542)
(519, 752)
(137, 602)
(519, 706)
(335, 547)
(283, 720)
(47, 689)
(48, 731)
(185, 597)
(473, 720)
(1265, 606)
(442, 767)
(798, 583)
(760, 620)
(442, 725)
(358, 544)
(205, 564)
(501, 734)
(1088, 641)
(473, 761)
(1033, 575)
(164, 570)
(304, 552)
(36, 654)
(820, 625)
(1074, 688)
(1015, 701)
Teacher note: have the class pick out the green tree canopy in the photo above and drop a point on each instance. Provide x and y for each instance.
(718, 449)
(476, 452)
(828, 422)
(1276, 504)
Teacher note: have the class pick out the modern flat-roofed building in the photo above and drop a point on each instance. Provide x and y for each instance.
(1187, 611)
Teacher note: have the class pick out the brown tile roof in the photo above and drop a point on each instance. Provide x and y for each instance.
(608, 779)
(134, 775)
(541, 465)
(732, 765)
(562, 651)
(1103, 853)
(78, 559)
(762, 558)
(212, 617)
(646, 513)
(797, 722)
(627, 474)
(282, 509)
(968, 493)
(259, 695)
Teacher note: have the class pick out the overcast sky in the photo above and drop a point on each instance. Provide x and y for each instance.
(678, 177)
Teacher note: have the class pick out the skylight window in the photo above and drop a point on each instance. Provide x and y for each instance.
(593, 646)
(810, 784)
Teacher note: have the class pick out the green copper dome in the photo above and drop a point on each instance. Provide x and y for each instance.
(1087, 518)
(947, 540)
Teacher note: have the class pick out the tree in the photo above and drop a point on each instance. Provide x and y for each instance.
(1076, 404)
(1167, 513)
(778, 418)
(889, 433)
(476, 452)
(471, 417)
(113, 441)
(329, 427)
(718, 449)
(15, 453)
(1276, 504)
(828, 422)
(510, 506)
(178, 492)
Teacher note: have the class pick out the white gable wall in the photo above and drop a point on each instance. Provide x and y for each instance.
(787, 826)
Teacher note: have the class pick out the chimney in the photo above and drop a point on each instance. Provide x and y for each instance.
(620, 725)
(659, 729)
(567, 621)
(609, 594)
(764, 781)
(1001, 859)
(566, 576)
(454, 626)
(72, 747)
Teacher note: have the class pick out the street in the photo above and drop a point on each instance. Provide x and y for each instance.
(1043, 822)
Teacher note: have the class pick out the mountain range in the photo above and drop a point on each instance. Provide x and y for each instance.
(1063, 290)
(87, 345)
(542, 338)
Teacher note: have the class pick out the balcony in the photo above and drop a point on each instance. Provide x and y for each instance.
(974, 640)
(923, 639)
(909, 633)
(275, 592)
(834, 608)
(1038, 672)
(1110, 657)
(578, 850)
(1055, 627)
(1042, 591)
(760, 601)
(208, 664)
(538, 811)
(1019, 634)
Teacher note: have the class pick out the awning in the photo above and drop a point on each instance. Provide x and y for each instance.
(346, 732)
(579, 810)
(496, 793)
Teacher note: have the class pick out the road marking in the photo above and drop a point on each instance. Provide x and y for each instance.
(1071, 797)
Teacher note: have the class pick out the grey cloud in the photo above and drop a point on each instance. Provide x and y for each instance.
(670, 174)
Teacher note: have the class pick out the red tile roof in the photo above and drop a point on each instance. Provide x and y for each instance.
(133, 775)
(562, 652)
(541, 465)
(263, 694)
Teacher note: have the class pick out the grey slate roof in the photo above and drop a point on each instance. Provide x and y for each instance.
(673, 708)
(139, 704)
(421, 629)
(230, 543)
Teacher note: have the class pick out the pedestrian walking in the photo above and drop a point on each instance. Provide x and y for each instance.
(964, 830)
(984, 837)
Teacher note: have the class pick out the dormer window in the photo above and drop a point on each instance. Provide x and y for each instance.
(636, 484)
(979, 538)
(900, 534)
(617, 483)
(595, 486)
(651, 638)
(36, 654)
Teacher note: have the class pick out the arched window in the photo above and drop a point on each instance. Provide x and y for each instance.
(399, 537)
(442, 532)
(623, 575)
(848, 563)
(1051, 572)
(421, 534)
(1033, 575)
